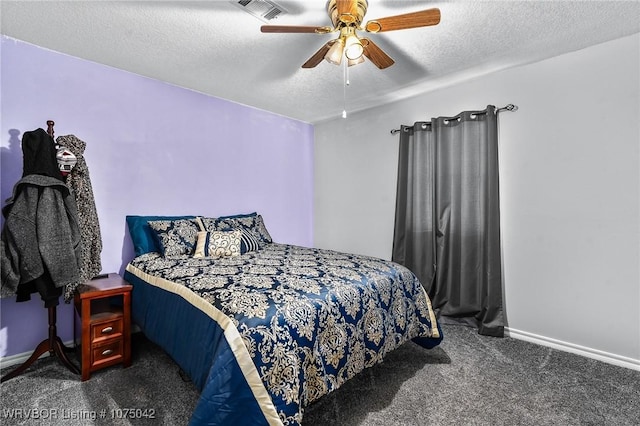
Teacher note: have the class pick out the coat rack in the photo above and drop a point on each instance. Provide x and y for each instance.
(50, 124)
(53, 344)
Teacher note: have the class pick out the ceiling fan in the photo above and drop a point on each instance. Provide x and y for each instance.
(346, 16)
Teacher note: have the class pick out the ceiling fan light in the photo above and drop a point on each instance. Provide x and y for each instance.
(334, 55)
(353, 48)
(352, 62)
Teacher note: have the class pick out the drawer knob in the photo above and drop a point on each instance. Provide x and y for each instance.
(107, 352)
(107, 330)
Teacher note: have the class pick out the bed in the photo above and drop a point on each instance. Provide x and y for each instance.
(264, 329)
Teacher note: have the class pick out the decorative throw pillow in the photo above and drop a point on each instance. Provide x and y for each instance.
(254, 233)
(249, 242)
(218, 243)
(177, 237)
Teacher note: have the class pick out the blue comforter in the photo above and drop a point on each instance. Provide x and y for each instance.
(264, 334)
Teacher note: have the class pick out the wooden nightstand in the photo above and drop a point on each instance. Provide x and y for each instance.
(103, 319)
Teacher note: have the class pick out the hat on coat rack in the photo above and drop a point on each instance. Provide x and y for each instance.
(39, 154)
(66, 160)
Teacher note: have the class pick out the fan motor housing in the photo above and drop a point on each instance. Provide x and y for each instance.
(354, 15)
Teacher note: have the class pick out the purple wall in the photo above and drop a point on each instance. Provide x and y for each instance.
(152, 148)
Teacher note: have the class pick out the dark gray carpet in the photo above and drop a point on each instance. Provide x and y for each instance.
(467, 380)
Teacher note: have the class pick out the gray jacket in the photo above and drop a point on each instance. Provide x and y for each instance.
(41, 230)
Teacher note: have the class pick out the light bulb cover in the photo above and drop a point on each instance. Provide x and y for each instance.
(352, 62)
(352, 47)
(334, 54)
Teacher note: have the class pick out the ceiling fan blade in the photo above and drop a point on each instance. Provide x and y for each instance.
(318, 56)
(423, 18)
(375, 54)
(293, 29)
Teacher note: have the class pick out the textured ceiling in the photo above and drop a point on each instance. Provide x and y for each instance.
(215, 48)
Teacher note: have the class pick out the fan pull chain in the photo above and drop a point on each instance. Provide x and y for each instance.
(346, 73)
(344, 88)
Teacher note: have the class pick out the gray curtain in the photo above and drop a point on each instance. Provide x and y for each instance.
(447, 224)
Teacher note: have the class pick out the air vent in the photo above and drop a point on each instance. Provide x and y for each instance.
(264, 10)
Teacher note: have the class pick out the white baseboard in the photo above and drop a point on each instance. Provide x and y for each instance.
(621, 361)
(8, 361)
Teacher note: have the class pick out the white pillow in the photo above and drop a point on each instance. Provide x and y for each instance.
(218, 243)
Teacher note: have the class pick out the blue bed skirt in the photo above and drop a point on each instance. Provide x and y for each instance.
(194, 347)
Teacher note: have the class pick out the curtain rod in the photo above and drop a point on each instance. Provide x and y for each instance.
(508, 107)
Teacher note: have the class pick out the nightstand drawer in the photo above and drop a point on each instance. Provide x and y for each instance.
(110, 352)
(106, 330)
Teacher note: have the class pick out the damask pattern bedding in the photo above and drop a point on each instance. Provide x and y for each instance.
(266, 333)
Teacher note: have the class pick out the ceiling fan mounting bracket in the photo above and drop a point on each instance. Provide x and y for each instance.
(347, 14)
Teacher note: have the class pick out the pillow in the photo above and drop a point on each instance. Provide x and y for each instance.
(218, 244)
(249, 242)
(262, 230)
(143, 237)
(214, 224)
(236, 216)
(252, 225)
(225, 222)
(176, 237)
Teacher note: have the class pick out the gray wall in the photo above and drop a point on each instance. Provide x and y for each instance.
(569, 161)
